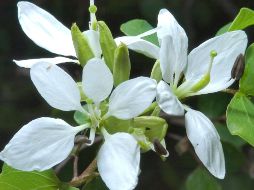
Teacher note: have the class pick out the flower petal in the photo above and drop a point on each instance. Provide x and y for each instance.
(132, 97)
(118, 162)
(228, 46)
(56, 60)
(56, 87)
(44, 29)
(139, 45)
(39, 145)
(97, 80)
(177, 54)
(93, 40)
(206, 142)
(167, 101)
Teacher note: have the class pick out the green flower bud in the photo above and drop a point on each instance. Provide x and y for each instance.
(156, 72)
(122, 64)
(107, 43)
(81, 45)
(155, 127)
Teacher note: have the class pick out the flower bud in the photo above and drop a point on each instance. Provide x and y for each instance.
(122, 64)
(238, 67)
(81, 45)
(107, 43)
(156, 72)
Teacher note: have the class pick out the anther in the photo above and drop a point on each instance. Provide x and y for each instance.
(238, 67)
(158, 147)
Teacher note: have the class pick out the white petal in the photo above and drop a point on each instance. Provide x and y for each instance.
(177, 54)
(94, 42)
(167, 59)
(56, 86)
(39, 145)
(44, 29)
(139, 45)
(167, 101)
(228, 46)
(206, 142)
(97, 80)
(56, 60)
(118, 162)
(132, 97)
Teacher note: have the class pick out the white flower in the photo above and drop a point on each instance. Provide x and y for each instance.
(45, 142)
(47, 32)
(206, 69)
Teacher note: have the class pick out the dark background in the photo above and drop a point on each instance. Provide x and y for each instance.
(20, 102)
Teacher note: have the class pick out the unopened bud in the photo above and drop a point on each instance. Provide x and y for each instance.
(122, 64)
(238, 67)
(158, 147)
(81, 45)
(107, 43)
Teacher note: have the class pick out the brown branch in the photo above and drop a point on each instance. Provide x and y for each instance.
(86, 175)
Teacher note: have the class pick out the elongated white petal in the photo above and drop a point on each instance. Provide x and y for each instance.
(177, 54)
(118, 162)
(132, 97)
(39, 145)
(97, 80)
(56, 60)
(56, 86)
(228, 46)
(167, 101)
(206, 142)
(44, 29)
(139, 45)
(167, 59)
(93, 40)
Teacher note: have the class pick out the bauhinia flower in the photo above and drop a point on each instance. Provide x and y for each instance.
(45, 142)
(47, 32)
(206, 69)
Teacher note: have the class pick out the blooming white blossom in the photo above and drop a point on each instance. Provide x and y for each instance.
(45, 142)
(206, 69)
(47, 32)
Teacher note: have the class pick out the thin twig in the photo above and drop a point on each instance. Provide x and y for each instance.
(75, 166)
(230, 91)
(87, 174)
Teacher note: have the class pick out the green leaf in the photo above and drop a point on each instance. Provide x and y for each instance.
(240, 117)
(200, 179)
(226, 137)
(81, 45)
(244, 19)
(213, 105)
(95, 184)
(108, 45)
(12, 179)
(224, 29)
(138, 26)
(155, 127)
(246, 83)
(234, 158)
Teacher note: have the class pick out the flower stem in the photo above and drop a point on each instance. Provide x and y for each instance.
(230, 91)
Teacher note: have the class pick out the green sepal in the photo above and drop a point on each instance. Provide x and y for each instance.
(81, 45)
(156, 71)
(108, 45)
(114, 125)
(155, 127)
(122, 64)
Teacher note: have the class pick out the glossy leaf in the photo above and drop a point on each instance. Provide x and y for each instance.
(240, 117)
(246, 82)
(200, 179)
(138, 26)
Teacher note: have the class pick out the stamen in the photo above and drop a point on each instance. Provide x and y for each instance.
(206, 78)
(238, 67)
(158, 147)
